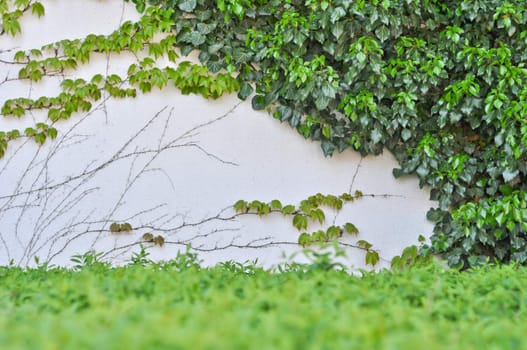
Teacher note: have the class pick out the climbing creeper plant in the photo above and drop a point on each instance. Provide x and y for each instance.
(310, 210)
(12, 10)
(79, 95)
(440, 84)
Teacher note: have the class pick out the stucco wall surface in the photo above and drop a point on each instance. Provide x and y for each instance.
(173, 165)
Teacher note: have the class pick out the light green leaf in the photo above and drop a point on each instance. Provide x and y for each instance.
(37, 9)
(300, 222)
(351, 229)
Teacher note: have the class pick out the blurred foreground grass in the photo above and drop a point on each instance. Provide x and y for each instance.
(178, 305)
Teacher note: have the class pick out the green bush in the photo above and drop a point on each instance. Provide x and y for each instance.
(178, 305)
(441, 84)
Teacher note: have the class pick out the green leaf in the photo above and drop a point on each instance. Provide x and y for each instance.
(214, 65)
(54, 114)
(500, 218)
(510, 174)
(319, 236)
(361, 57)
(213, 48)
(148, 237)
(172, 55)
(328, 148)
(304, 239)
(351, 229)
(376, 135)
(195, 38)
(337, 30)
(383, 33)
(510, 225)
(187, 5)
(264, 209)
(40, 138)
(300, 222)
(140, 6)
(186, 50)
(52, 133)
(337, 14)
(204, 57)
(284, 112)
(363, 244)
(29, 132)
(434, 215)
(406, 134)
(37, 9)
(321, 102)
(241, 206)
(258, 102)
(276, 204)
(241, 55)
(159, 241)
(334, 232)
(288, 209)
(11, 135)
(11, 25)
(372, 258)
(245, 91)
(317, 215)
(115, 227)
(256, 206)
(326, 131)
(506, 189)
(20, 56)
(396, 262)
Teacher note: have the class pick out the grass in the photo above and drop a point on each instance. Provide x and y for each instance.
(178, 305)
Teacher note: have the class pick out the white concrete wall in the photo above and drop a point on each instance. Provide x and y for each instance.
(173, 164)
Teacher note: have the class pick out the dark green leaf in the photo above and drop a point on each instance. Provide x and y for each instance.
(245, 91)
(187, 5)
(258, 102)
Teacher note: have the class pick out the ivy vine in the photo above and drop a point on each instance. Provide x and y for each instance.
(440, 84)
(12, 10)
(79, 95)
(310, 210)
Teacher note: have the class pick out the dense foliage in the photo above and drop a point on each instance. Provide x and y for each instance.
(441, 84)
(179, 305)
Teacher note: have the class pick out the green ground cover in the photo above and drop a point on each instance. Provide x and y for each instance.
(178, 305)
